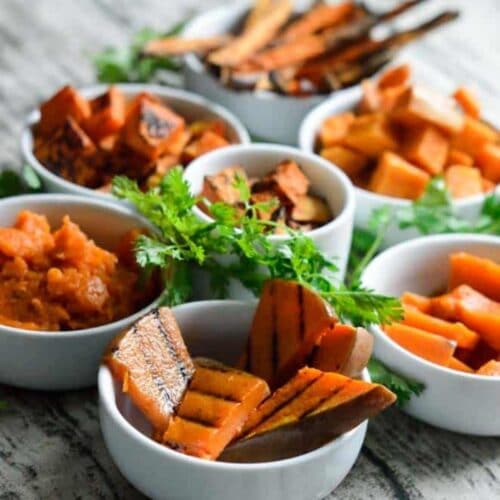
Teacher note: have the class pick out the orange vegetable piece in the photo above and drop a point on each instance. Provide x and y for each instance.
(371, 99)
(351, 162)
(67, 102)
(473, 136)
(423, 304)
(395, 76)
(153, 365)
(468, 102)
(491, 369)
(207, 142)
(287, 324)
(427, 147)
(221, 186)
(309, 208)
(463, 181)
(108, 114)
(456, 364)
(371, 135)
(426, 345)
(293, 421)
(459, 333)
(487, 185)
(457, 157)
(151, 128)
(394, 176)
(488, 159)
(479, 273)
(422, 106)
(335, 128)
(214, 409)
(290, 180)
(390, 96)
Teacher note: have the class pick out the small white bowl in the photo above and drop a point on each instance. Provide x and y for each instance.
(190, 106)
(333, 238)
(367, 201)
(452, 400)
(218, 329)
(64, 360)
(269, 116)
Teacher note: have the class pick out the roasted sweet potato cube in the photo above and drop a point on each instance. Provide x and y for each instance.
(426, 147)
(426, 345)
(208, 141)
(370, 101)
(394, 176)
(351, 162)
(420, 106)
(457, 157)
(214, 409)
(309, 208)
(473, 136)
(107, 114)
(151, 128)
(479, 273)
(491, 369)
(151, 362)
(222, 185)
(67, 102)
(468, 102)
(488, 159)
(371, 135)
(311, 409)
(463, 181)
(290, 180)
(390, 96)
(334, 129)
(270, 199)
(216, 126)
(395, 76)
(162, 166)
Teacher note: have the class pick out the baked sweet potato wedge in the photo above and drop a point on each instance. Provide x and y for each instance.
(153, 365)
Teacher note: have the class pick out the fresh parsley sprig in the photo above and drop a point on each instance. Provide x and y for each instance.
(13, 183)
(128, 64)
(183, 241)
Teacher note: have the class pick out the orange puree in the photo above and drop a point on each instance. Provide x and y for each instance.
(62, 280)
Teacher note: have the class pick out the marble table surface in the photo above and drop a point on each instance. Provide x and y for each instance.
(50, 443)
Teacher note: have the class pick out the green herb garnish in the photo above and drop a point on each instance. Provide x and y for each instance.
(128, 64)
(403, 387)
(12, 183)
(235, 246)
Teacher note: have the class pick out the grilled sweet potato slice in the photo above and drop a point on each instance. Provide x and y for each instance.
(311, 409)
(153, 365)
(108, 114)
(288, 322)
(67, 102)
(151, 128)
(214, 409)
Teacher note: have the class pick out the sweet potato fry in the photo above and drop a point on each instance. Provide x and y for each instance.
(423, 304)
(468, 102)
(254, 38)
(488, 159)
(176, 46)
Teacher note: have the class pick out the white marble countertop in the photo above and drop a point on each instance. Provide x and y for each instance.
(50, 443)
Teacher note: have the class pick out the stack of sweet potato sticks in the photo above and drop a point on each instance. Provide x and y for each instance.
(326, 48)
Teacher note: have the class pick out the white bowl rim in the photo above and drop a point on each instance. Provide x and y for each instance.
(415, 245)
(107, 399)
(311, 124)
(134, 88)
(194, 62)
(287, 151)
(63, 200)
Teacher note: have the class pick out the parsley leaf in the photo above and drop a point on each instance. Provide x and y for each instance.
(404, 388)
(12, 183)
(235, 245)
(128, 64)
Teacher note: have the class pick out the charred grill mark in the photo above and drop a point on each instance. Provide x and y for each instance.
(289, 400)
(198, 421)
(228, 399)
(312, 355)
(157, 127)
(323, 400)
(179, 363)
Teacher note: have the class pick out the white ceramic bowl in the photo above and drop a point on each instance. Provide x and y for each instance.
(451, 400)
(70, 359)
(367, 201)
(333, 238)
(218, 329)
(269, 116)
(189, 105)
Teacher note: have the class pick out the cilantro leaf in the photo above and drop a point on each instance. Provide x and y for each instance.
(403, 388)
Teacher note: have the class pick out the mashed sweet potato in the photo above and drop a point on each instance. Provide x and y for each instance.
(61, 280)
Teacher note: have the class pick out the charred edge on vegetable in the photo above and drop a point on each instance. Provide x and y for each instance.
(323, 400)
(199, 421)
(302, 326)
(157, 127)
(229, 399)
(292, 397)
(184, 372)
